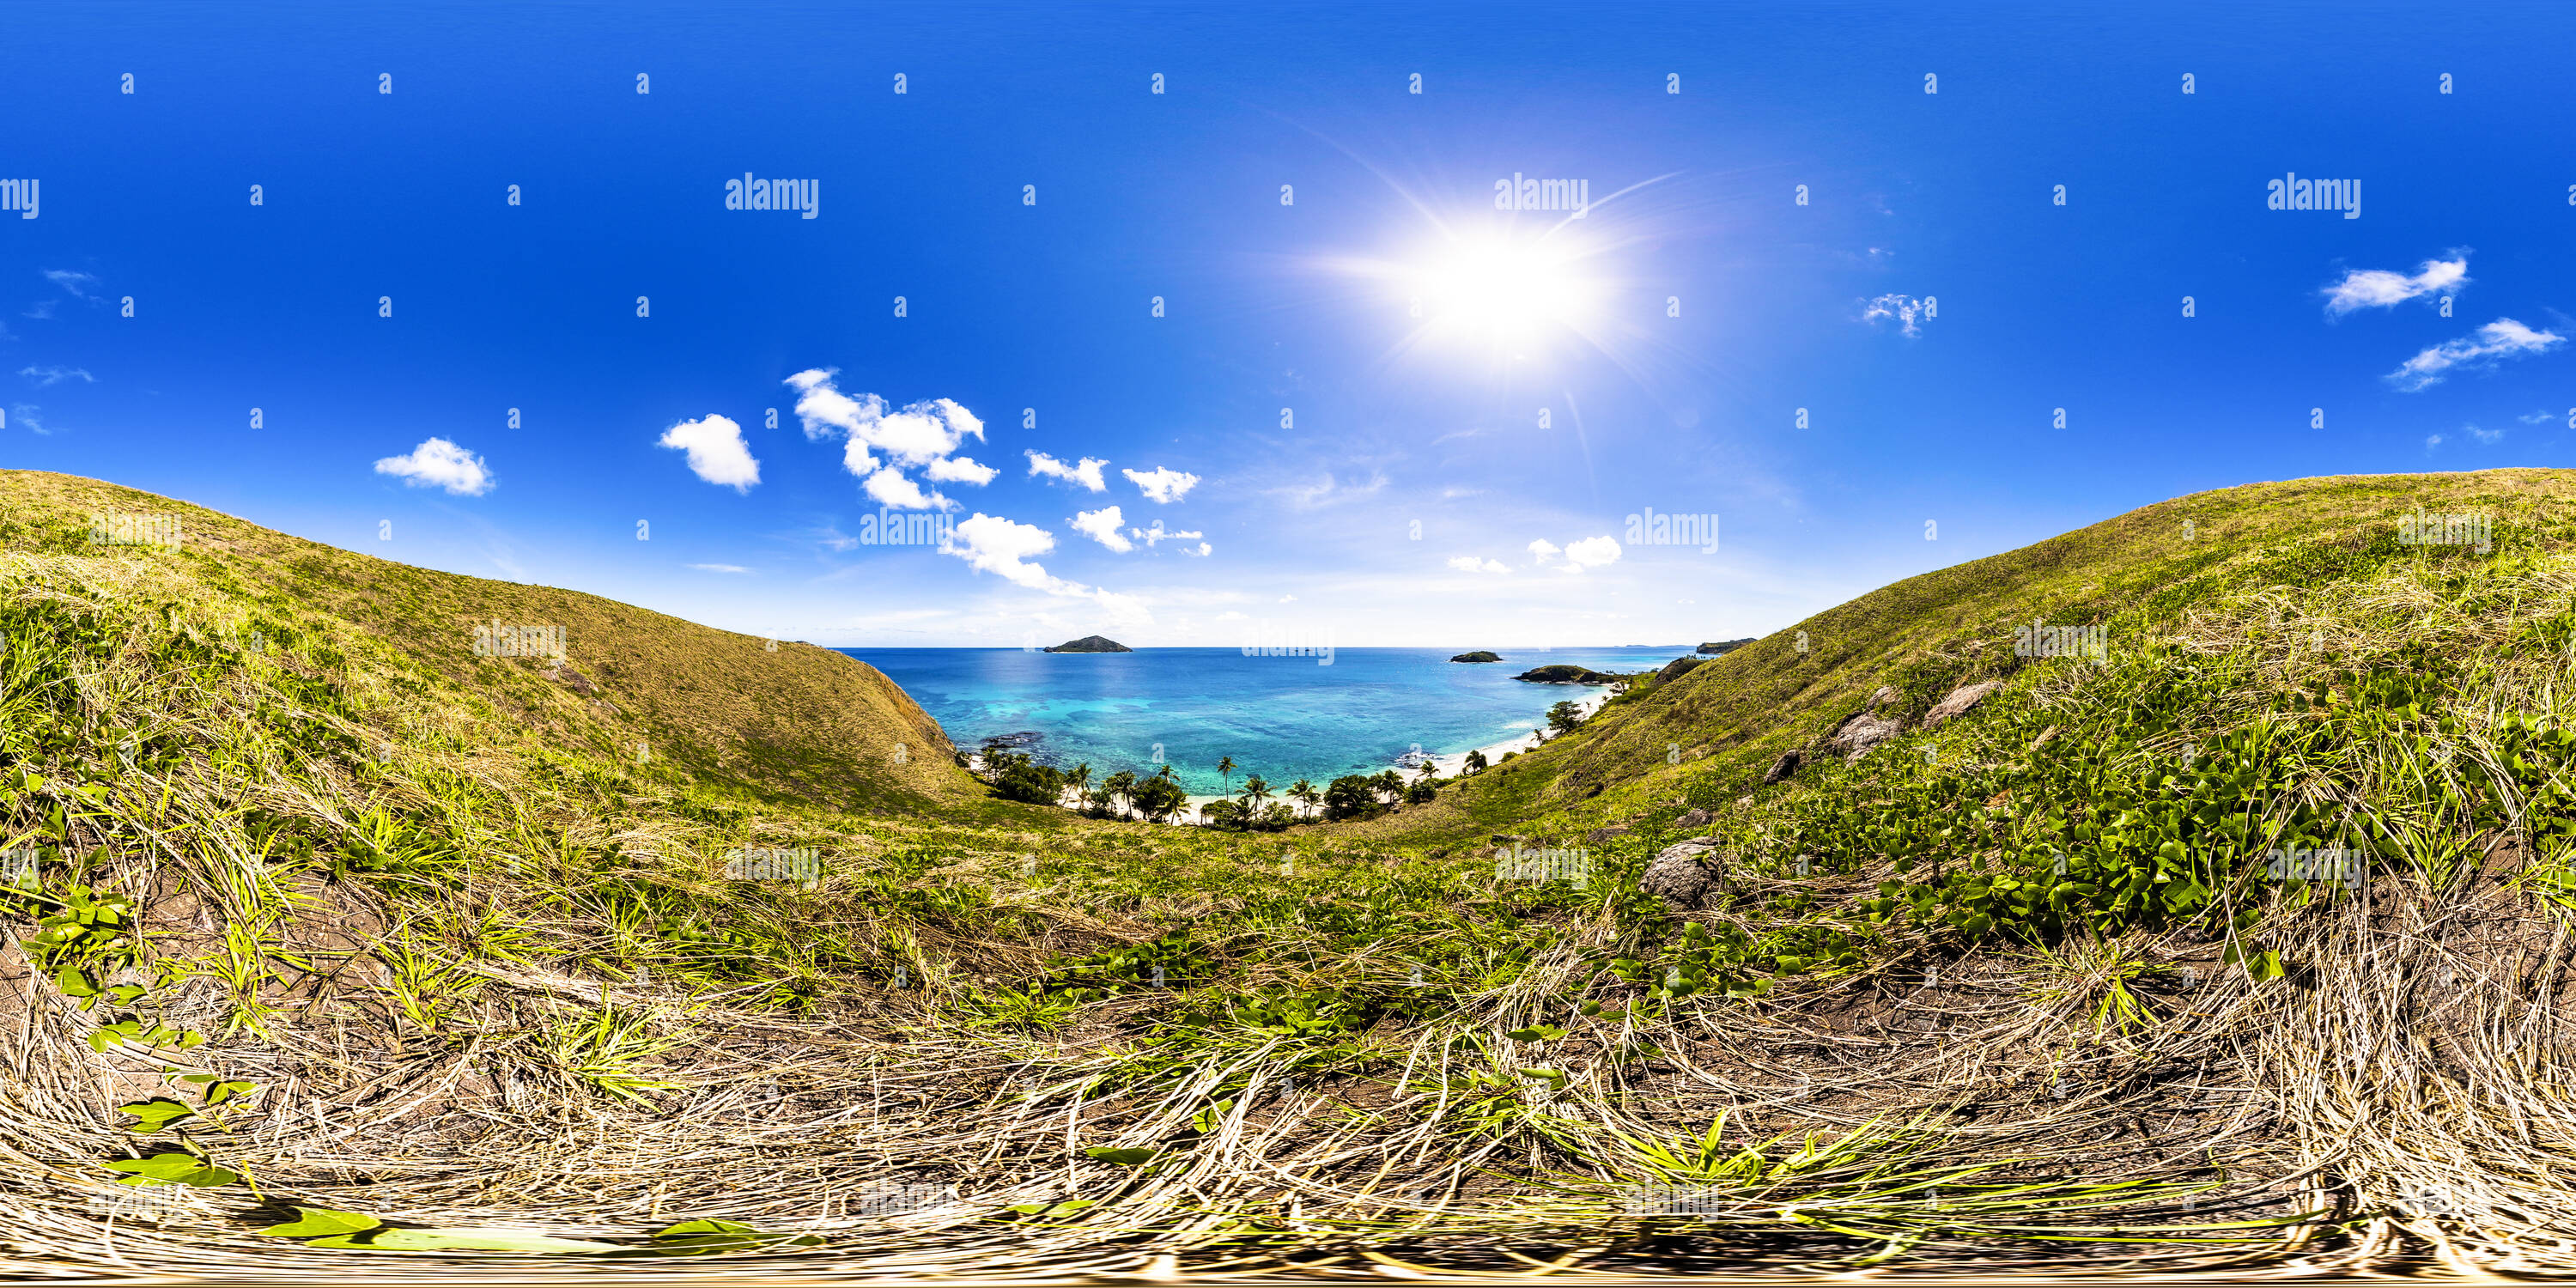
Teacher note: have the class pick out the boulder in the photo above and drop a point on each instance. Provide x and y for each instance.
(1604, 835)
(1681, 874)
(1861, 733)
(564, 675)
(1696, 818)
(1782, 768)
(1886, 694)
(1960, 699)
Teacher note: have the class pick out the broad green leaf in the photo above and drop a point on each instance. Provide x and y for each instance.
(1121, 1157)
(322, 1221)
(74, 983)
(186, 1169)
(223, 1091)
(157, 1113)
(467, 1239)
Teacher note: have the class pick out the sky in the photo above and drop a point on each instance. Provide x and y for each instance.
(1200, 325)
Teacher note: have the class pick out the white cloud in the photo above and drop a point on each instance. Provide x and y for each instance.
(1231, 615)
(1307, 496)
(2542, 417)
(1164, 485)
(1102, 526)
(922, 434)
(991, 543)
(1544, 550)
(2493, 343)
(2378, 288)
(1591, 552)
(1470, 563)
(720, 567)
(1287, 599)
(2486, 435)
(890, 487)
(2432, 441)
(47, 377)
(1907, 312)
(28, 416)
(1087, 473)
(1157, 534)
(716, 451)
(439, 463)
(76, 285)
(961, 469)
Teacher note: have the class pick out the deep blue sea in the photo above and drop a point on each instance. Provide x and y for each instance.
(1284, 718)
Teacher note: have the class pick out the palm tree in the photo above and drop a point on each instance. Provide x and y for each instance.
(1304, 793)
(1255, 791)
(1225, 769)
(1475, 760)
(1118, 785)
(1166, 774)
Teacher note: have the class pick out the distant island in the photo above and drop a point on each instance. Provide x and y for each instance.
(1725, 645)
(1091, 644)
(1479, 655)
(1563, 673)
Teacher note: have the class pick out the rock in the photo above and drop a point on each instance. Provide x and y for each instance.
(1782, 768)
(1960, 699)
(1479, 655)
(1886, 694)
(1681, 876)
(572, 679)
(1562, 673)
(1861, 733)
(1506, 838)
(1696, 818)
(1603, 835)
(1725, 646)
(1677, 668)
(1091, 644)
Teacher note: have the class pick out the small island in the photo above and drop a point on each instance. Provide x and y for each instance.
(1563, 673)
(1479, 655)
(1724, 645)
(1091, 644)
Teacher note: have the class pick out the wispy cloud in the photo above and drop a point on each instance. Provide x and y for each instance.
(78, 285)
(440, 463)
(727, 568)
(1470, 563)
(2491, 344)
(46, 377)
(29, 417)
(1906, 311)
(2486, 435)
(2541, 417)
(2378, 288)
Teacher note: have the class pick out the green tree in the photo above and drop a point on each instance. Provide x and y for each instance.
(1255, 791)
(1303, 792)
(1564, 716)
(1225, 769)
(1475, 761)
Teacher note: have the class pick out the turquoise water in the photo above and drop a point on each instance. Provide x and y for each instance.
(1284, 718)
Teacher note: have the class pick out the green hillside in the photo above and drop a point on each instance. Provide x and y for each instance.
(2235, 935)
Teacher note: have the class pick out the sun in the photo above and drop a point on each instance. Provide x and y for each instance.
(1498, 291)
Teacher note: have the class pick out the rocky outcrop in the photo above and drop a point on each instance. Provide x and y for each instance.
(1686, 875)
(1565, 674)
(1861, 733)
(1782, 768)
(1885, 695)
(1480, 655)
(1723, 646)
(1604, 835)
(1677, 668)
(1960, 699)
(1091, 644)
(1695, 818)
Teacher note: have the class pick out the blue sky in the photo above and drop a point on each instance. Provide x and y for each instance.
(1465, 475)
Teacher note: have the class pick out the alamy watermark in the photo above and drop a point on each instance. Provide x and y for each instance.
(802, 866)
(888, 1198)
(2039, 639)
(2294, 193)
(2476, 531)
(131, 529)
(1523, 193)
(18, 869)
(1652, 529)
(927, 528)
(1274, 639)
(496, 639)
(748, 193)
(1520, 863)
(2333, 865)
(19, 195)
(1677, 1200)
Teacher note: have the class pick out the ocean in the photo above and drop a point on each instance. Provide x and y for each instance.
(1284, 718)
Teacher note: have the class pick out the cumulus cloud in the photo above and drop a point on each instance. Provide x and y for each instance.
(440, 463)
(716, 451)
(1164, 485)
(47, 377)
(2490, 344)
(889, 487)
(1102, 526)
(991, 543)
(961, 469)
(1906, 311)
(2378, 288)
(1544, 550)
(1591, 552)
(1086, 472)
(1470, 563)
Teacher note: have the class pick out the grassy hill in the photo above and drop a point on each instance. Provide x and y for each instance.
(2239, 942)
